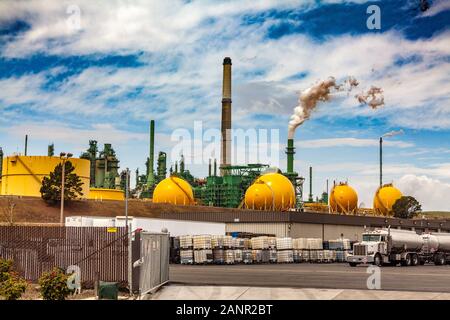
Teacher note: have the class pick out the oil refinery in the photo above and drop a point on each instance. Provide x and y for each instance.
(245, 188)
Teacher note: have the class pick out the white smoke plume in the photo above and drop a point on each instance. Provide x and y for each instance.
(309, 98)
(392, 133)
(307, 102)
(373, 97)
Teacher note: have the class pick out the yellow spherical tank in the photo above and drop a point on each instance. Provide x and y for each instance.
(259, 197)
(106, 194)
(271, 191)
(385, 198)
(22, 175)
(343, 199)
(173, 190)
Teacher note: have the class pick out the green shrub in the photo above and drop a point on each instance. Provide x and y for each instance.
(5, 269)
(13, 286)
(53, 285)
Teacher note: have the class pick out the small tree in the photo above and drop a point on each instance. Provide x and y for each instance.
(406, 207)
(51, 185)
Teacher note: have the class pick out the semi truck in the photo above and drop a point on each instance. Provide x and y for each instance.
(394, 246)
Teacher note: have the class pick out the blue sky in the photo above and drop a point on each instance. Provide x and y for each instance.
(132, 61)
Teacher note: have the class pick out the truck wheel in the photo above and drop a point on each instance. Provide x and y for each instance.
(377, 260)
(439, 260)
(352, 264)
(414, 260)
(407, 261)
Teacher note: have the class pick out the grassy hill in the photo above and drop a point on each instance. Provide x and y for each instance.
(437, 214)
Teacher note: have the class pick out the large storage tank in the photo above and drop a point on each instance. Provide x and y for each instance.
(385, 198)
(22, 175)
(173, 190)
(343, 199)
(106, 194)
(271, 191)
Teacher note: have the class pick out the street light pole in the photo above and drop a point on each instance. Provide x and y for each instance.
(381, 162)
(64, 157)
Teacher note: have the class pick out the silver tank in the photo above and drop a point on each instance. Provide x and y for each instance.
(430, 243)
(443, 240)
(405, 240)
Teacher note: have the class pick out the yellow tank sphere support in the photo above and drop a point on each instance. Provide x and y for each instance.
(343, 199)
(22, 175)
(271, 191)
(385, 198)
(173, 190)
(106, 194)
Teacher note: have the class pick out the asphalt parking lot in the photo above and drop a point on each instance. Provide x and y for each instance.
(429, 278)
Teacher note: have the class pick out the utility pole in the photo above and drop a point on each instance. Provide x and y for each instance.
(127, 175)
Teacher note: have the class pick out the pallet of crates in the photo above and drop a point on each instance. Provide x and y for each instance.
(202, 249)
(218, 249)
(229, 256)
(260, 247)
(299, 246)
(186, 256)
(239, 246)
(247, 256)
(228, 244)
(186, 249)
(328, 256)
(315, 247)
(217, 242)
(218, 256)
(306, 255)
(284, 250)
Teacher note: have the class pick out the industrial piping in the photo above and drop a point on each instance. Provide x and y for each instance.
(226, 114)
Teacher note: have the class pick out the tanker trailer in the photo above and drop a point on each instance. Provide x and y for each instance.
(436, 248)
(387, 246)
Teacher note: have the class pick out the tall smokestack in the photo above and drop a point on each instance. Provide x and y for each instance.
(151, 160)
(226, 114)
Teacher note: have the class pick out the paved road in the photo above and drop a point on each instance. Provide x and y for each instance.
(332, 276)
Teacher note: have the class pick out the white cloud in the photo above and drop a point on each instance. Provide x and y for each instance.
(431, 193)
